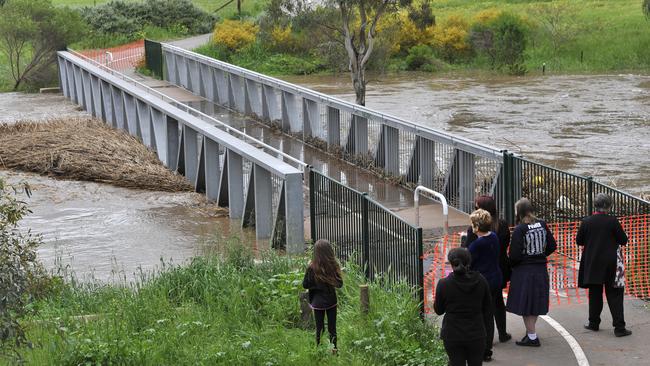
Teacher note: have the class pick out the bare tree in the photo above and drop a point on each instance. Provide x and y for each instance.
(559, 22)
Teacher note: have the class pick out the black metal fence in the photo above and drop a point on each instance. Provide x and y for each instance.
(558, 196)
(153, 57)
(365, 231)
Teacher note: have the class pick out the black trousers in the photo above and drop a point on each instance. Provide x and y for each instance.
(319, 316)
(499, 312)
(465, 353)
(489, 322)
(614, 300)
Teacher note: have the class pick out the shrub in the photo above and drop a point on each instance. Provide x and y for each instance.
(401, 33)
(129, 18)
(509, 43)
(234, 35)
(19, 268)
(282, 39)
(421, 58)
(450, 40)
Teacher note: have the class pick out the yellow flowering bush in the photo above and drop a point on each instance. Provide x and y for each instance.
(486, 16)
(450, 39)
(402, 33)
(283, 39)
(234, 35)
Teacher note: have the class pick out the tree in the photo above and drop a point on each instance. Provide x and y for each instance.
(359, 38)
(31, 31)
(559, 22)
(18, 266)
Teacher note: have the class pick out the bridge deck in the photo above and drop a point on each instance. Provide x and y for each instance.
(392, 196)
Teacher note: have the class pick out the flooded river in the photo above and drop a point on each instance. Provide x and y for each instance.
(108, 233)
(588, 124)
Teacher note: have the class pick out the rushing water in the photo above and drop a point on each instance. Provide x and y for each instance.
(109, 233)
(595, 125)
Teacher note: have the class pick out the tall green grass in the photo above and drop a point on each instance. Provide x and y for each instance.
(225, 310)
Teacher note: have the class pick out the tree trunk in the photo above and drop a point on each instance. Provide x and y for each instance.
(20, 79)
(359, 82)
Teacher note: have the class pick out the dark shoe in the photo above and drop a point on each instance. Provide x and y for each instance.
(527, 342)
(591, 326)
(622, 332)
(506, 337)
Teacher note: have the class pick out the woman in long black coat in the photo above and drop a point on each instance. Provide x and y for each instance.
(601, 235)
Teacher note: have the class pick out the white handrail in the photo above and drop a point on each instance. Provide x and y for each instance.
(190, 110)
(438, 195)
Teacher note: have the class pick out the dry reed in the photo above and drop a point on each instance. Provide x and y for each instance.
(85, 149)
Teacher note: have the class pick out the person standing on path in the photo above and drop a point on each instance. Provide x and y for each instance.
(464, 298)
(532, 242)
(601, 236)
(322, 277)
(485, 260)
(499, 227)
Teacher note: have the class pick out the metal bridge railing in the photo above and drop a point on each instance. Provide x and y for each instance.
(257, 188)
(415, 154)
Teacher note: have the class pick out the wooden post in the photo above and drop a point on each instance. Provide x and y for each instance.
(305, 310)
(365, 299)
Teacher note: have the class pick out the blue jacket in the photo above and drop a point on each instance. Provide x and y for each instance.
(485, 259)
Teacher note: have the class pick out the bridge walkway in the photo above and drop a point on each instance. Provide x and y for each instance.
(393, 196)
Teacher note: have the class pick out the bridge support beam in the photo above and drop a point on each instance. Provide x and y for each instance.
(294, 204)
(357, 143)
(333, 127)
(263, 203)
(235, 185)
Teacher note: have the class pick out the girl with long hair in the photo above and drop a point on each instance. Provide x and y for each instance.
(322, 277)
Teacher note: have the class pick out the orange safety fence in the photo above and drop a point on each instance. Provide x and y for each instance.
(562, 265)
(124, 57)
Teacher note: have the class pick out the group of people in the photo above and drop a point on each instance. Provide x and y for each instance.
(471, 296)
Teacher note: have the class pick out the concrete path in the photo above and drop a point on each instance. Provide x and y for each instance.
(192, 42)
(600, 348)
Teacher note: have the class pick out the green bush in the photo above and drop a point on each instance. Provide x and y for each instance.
(421, 58)
(131, 18)
(502, 41)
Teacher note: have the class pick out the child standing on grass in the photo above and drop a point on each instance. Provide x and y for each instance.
(322, 277)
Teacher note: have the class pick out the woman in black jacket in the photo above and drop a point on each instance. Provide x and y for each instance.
(464, 298)
(532, 242)
(499, 227)
(322, 278)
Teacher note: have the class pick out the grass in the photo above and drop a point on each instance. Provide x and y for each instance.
(249, 7)
(612, 35)
(224, 310)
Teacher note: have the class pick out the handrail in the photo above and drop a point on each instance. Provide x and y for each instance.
(456, 141)
(438, 195)
(190, 110)
(256, 155)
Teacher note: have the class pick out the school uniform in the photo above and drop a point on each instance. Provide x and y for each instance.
(465, 301)
(601, 235)
(529, 282)
(499, 310)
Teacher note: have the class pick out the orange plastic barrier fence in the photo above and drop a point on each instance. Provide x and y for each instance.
(563, 264)
(123, 57)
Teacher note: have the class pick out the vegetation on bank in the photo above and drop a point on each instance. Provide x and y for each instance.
(505, 36)
(221, 310)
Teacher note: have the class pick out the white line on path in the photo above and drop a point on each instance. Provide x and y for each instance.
(575, 347)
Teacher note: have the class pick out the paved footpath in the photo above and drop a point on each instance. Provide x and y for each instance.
(600, 348)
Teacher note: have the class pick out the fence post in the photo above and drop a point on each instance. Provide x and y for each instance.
(508, 187)
(364, 299)
(366, 235)
(590, 196)
(312, 206)
(421, 293)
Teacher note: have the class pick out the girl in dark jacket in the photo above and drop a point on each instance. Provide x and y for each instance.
(501, 229)
(485, 260)
(532, 242)
(322, 277)
(464, 298)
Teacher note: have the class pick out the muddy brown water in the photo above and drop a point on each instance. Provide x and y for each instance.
(596, 125)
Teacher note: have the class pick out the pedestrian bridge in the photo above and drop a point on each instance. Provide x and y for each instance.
(296, 164)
